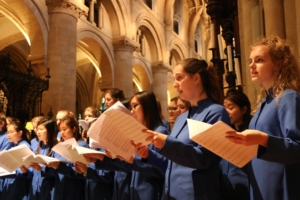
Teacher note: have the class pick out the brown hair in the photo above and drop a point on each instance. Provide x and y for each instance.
(287, 74)
(93, 110)
(209, 78)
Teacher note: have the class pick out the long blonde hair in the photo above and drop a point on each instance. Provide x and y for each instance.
(287, 75)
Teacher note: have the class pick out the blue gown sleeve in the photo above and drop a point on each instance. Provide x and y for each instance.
(191, 154)
(285, 149)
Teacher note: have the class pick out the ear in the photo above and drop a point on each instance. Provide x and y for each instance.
(20, 133)
(244, 109)
(74, 129)
(197, 78)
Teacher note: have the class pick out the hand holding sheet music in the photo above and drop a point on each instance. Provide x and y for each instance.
(70, 150)
(114, 130)
(212, 137)
(27, 160)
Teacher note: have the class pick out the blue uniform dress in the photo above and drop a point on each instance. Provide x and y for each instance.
(275, 173)
(192, 171)
(99, 183)
(34, 143)
(42, 186)
(234, 183)
(16, 186)
(4, 145)
(69, 185)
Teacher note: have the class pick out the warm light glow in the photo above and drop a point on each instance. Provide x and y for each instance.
(29, 126)
(5, 10)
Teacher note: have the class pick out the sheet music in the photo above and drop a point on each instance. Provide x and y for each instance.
(86, 124)
(72, 151)
(212, 137)
(12, 159)
(114, 130)
(27, 160)
(4, 172)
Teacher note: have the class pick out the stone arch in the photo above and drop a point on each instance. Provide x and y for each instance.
(145, 24)
(142, 74)
(168, 17)
(94, 64)
(117, 15)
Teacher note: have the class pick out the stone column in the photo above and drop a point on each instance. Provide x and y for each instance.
(123, 75)
(291, 23)
(160, 85)
(244, 10)
(91, 11)
(274, 17)
(61, 58)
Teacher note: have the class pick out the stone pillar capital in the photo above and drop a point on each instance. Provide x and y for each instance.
(67, 6)
(160, 67)
(124, 43)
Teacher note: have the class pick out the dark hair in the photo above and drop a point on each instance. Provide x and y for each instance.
(116, 93)
(150, 110)
(175, 99)
(209, 78)
(51, 127)
(159, 109)
(126, 102)
(95, 111)
(20, 126)
(3, 119)
(240, 99)
(72, 123)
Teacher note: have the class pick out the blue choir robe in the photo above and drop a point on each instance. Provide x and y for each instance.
(99, 183)
(234, 183)
(192, 170)
(34, 143)
(4, 145)
(275, 173)
(42, 185)
(69, 185)
(16, 186)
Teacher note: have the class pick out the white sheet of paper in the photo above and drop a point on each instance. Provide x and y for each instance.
(12, 159)
(4, 172)
(114, 130)
(27, 160)
(70, 150)
(212, 137)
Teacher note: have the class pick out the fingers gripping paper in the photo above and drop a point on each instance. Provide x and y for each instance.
(212, 137)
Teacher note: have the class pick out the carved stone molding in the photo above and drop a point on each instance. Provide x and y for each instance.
(65, 6)
(124, 43)
(160, 67)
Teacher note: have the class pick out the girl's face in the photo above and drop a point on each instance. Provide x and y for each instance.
(181, 106)
(235, 112)
(173, 110)
(186, 84)
(109, 101)
(262, 68)
(88, 115)
(136, 110)
(42, 133)
(13, 135)
(59, 117)
(66, 131)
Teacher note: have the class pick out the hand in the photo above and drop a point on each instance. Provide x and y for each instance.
(80, 167)
(157, 139)
(53, 165)
(93, 157)
(36, 166)
(248, 137)
(142, 151)
(23, 169)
